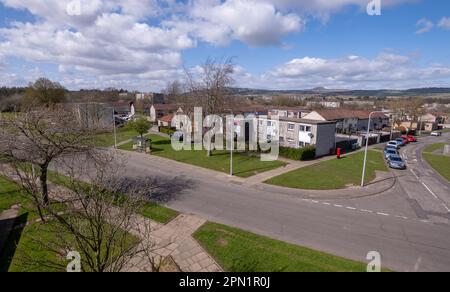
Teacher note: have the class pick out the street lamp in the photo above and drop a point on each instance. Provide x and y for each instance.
(115, 132)
(367, 147)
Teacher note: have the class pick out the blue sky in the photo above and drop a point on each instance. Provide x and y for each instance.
(276, 44)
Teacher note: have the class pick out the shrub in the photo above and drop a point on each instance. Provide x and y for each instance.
(306, 153)
(166, 130)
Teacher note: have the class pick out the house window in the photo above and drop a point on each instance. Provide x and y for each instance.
(290, 140)
(302, 128)
(301, 144)
(308, 128)
(269, 137)
(269, 123)
(291, 127)
(281, 139)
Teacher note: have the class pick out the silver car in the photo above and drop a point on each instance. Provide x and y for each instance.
(396, 162)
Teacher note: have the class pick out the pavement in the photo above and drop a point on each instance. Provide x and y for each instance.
(410, 235)
(175, 240)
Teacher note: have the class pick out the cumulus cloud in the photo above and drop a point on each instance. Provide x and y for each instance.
(253, 22)
(444, 23)
(138, 44)
(424, 25)
(387, 70)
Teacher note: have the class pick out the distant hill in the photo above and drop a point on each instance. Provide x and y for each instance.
(325, 91)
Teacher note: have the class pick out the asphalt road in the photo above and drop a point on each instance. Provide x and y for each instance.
(407, 225)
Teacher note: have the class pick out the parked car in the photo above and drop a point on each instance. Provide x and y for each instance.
(396, 162)
(410, 138)
(436, 134)
(401, 142)
(394, 144)
(388, 152)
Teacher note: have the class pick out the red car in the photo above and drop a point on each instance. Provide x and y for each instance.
(409, 138)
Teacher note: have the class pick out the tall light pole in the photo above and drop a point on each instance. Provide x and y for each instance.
(232, 147)
(367, 147)
(114, 126)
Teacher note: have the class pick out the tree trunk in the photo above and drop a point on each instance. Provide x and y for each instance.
(43, 179)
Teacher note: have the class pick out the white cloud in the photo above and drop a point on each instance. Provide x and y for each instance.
(250, 21)
(387, 70)
(444, 23)
(424, 25)
(138, 44)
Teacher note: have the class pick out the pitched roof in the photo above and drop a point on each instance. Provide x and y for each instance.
(339, 114)
(167, 118)
(163, 107)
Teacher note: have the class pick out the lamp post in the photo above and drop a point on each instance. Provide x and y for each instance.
(114, 126)
(367, 148)
(232, 147)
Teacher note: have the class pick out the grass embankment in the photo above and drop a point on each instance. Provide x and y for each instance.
(333, 174)
(240, 251)
(243, 165)
(433, 154)
(150, 210)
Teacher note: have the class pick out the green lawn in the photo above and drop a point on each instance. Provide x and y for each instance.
(440, 163)
(244, 166)
(107, 139)
(435, 148)
(240, 251)
(333, 174)
(150, 210)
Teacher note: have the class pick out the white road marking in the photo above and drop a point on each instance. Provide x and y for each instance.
(431, 192)
(382, 214)
(367, 211)
(413, 172)
(402, 217)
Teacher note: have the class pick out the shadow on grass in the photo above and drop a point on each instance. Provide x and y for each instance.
(8, 249)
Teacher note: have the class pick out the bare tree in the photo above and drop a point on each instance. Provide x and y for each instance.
(98, 220)
(210, 86)
(174, 92)
(39, 136)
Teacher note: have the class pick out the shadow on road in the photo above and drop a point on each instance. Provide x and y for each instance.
(158, 189)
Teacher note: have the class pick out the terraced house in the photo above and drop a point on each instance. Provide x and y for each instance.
(299, 133)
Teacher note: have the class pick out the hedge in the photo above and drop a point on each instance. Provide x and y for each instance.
(306, 153)
(167, 131)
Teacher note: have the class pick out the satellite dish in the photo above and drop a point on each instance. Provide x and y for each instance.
(311, 135)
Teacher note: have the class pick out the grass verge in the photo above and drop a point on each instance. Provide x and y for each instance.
(333, 174)
(240, 251)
